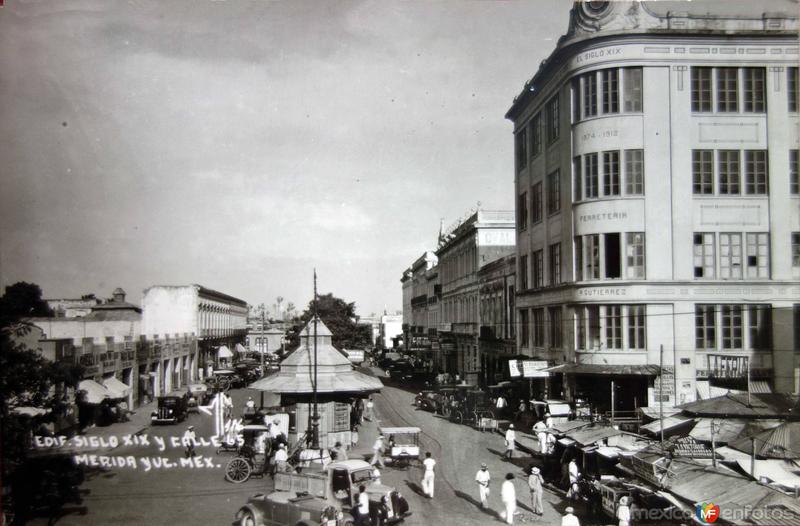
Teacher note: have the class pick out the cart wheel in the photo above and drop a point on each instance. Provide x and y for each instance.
(237, 470)
(459, 417)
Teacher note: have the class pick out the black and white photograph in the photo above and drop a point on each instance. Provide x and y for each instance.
(399, 262)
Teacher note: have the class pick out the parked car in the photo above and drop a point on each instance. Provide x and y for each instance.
(426, 400)
(172, 408)
(225, 379)
(401, 370)
(198, 395)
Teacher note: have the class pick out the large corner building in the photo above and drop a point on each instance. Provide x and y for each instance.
(657, 202)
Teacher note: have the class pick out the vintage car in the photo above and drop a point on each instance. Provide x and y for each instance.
(172, 408)
(225, 379)
(198, 395)
(426, 400)
(324, 496)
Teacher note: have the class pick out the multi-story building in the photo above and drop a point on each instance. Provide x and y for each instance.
(657, 201)
(215, 319)
(477, 241)
(424, 307)
(391, 326)
(497, 332)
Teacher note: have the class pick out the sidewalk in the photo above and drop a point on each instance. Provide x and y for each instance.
(137, 422)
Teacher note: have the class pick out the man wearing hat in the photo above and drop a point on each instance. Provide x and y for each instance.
(508, 494)
(483, 478)
(536, 485)
(189, 439)
(511, 437)
(624, 512)
(281, 459)
(569, 519)
(377, 452)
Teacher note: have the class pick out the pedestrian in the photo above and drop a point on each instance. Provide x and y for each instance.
(521, 409)
(281, 459)
(548, 421)
(569, 519)
(428, 477)
(189, 440)
(574, 475)
(354, 437)
(540, 430)
(511, 437)
(376, 475)
(501, 402)
(483, 478)
(624, 512)
(250, 404)
(536, 485)
(508, 494)
(377, 452)
(370, 407)
(384, 510)
(227, 405)
(362, 517)
(338, 452)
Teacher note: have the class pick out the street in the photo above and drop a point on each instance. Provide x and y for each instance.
(200, 495)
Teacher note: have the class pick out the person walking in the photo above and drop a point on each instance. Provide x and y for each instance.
(482, 477)
(362, 518)
(338, 452)
(370, 407)
(281, 459)
(377, 452)
(428, 477)
(508, 494)
(536, 485)
(354, 437)
(574, 475)
(569, 519)
(189, 440)
(624, 512)
(540, 430)
(511, 437)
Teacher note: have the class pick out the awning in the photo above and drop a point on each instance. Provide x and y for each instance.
(95, 393)
(344, 382)
(240, 348)
(570, 425)
(116, 389)
(224, 352)
(653, 412)
(609, 451)
(590, 435)
(760, 386)
(604, 369)
(725, 429)
(670, 423)
(706, 390)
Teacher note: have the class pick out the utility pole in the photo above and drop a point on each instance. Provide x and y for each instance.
(713, 444)
(261, 347)
(753, 457)
(661, 391)
(315, 417)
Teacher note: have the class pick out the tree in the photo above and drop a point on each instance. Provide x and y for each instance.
(22, 300)
(340, 317)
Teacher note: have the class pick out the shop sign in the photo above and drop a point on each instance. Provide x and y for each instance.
(664, 386)
(515, 368)
(355, 356)
(533, 369)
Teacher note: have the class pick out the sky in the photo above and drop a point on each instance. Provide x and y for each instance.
(241, 144)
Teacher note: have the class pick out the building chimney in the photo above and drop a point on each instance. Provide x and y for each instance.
(119, 295)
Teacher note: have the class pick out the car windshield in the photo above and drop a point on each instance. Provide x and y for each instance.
(364, 475)
(170, 402)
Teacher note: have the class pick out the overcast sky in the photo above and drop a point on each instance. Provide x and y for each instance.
(240, 144)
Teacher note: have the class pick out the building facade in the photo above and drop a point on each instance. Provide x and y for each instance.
(497, 341)
(73, 307)
(658, 214)
(391, 326)
(477, 241)
(426, 293)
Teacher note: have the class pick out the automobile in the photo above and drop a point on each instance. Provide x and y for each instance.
(323, 496)
(401, 370)
(559, 410)
(172, 408)
(198, 395)
(426, 400)
(403, 444)
(225, 379)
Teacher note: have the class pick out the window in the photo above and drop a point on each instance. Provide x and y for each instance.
(522, 149)
(552, 119)
(759, 327)
(554, 314)
(755, 172)
(592, 251)
(632, 93)
(794, 183)
(796, 249)
(555, 264)
(612, 260)
(757, 255)
(523, 272)
(589, 95)
(594, 327)
(536, 203)
(703, 253)
(553, 192)
(705, 332)
(634, 252)
(538, 269)
(727, 90)
(701, 89)
(536, 132)
(728, 172)
(634, 172)
(524, 330)
(611, 173)
(613, 322)
(577, 176)
(730, 255)
(754, 88)
(522, 211)
(590, 175)
(576, 99)
(702, 172)
(610, 90)
(732, 327)
(792, 87)
(538, 327)
(636, 327)
(578, 244)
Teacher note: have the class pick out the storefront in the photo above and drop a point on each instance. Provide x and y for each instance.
(621, 389)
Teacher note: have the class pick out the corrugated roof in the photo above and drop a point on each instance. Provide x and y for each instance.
(756, 405)
(670, 422)
(782, 441)
(725, 429)
(590, 435)
(570, 425)
(604, 369)
(347, 382)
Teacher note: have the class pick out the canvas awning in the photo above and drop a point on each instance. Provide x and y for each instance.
(116, 388)
(604, 369)
(224, 352)
(591, 435)
(670, 422)
(95, 393)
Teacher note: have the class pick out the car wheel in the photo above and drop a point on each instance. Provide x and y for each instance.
(248, 519)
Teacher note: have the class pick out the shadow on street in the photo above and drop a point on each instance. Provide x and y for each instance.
(487, 511)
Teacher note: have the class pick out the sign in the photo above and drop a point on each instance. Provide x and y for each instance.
(664, 387)
(355, 356)
(514, 368)
(533, 369)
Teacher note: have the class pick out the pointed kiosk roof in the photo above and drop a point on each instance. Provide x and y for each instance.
(335, 372)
